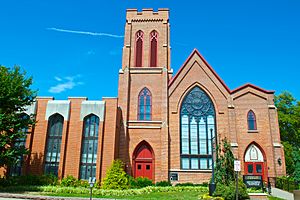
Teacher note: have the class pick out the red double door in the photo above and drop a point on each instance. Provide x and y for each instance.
(255, 168)
(143, 162)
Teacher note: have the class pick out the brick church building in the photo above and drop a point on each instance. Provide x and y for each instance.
(161, 124)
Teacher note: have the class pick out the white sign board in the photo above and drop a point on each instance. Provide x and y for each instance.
(237, 166)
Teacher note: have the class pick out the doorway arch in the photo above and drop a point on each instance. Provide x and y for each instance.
(255, 161)
(143, 161)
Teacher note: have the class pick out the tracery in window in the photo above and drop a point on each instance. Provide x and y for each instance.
(139, 38)
(197, 125)
(145, 105)
(251, 121)
(153, 48)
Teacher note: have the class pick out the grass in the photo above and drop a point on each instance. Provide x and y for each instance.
(186, 195)
(274, 198)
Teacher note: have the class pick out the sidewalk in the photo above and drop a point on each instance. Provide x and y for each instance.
(39, 197)
(282, 194)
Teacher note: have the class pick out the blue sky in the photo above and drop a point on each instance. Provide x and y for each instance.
(244, 41)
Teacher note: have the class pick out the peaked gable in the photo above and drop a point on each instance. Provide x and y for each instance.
(196, 57)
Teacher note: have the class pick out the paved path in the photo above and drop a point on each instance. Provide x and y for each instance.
(11, 196)
(282, 194)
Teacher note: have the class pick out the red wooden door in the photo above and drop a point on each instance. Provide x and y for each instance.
(255, 168)
(143, 163)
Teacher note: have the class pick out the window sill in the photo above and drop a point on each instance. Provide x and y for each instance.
(253, 131)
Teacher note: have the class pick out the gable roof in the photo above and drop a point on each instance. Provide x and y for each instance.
(195, 51)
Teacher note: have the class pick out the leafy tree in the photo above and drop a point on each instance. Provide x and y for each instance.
(289, 118)
(116, 177)
(15, 95)
(289, 124)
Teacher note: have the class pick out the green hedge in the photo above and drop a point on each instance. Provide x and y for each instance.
(128, 192)
(102, 192)
(286, 183)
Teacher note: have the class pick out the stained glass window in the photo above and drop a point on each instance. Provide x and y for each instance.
(197, 126)
(144, 107)
(89, 147)
(251, 121)
(54, 135)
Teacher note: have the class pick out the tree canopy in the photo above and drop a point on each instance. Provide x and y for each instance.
(15, 96)
(289, 124)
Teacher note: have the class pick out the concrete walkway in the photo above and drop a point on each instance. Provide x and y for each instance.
(5, 196)
(282, 194)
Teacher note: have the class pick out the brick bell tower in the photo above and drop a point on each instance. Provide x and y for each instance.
(143, 94)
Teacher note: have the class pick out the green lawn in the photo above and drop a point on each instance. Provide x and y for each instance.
(186, 195)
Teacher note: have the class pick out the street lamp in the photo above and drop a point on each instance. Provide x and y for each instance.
(92, 181)
(212, 185)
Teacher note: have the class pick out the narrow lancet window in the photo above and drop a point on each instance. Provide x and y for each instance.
(251, 121)
(54, 135)
(144, 108)
(89, 147)
(139, 38)
(153, 49)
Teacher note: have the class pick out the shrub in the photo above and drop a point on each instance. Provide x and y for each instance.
(116, 177)
(46, 179)
(143, 182)
(70, 181)
(207, 197)
(228, 191)
(163, 184)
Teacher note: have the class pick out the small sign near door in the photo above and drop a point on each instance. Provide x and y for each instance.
(237, 166)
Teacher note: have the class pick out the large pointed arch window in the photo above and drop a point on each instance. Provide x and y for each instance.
(197, 127)
(139, 38)
(145, 104)
(153, 48)
(89, 147)
(16, 169)
(54, 135)
(251, 120)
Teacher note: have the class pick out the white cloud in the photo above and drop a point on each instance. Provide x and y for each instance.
(57, 78)
(68, 84)
(85, 32)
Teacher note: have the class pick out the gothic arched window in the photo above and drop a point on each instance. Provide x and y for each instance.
(197, 126)
(153, 48)
(16, 169)
(251, 120)
(89, 147)
(139, 38)
(144, 108)
(54, 135)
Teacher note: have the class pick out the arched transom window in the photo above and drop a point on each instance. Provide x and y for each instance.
(197, 125)
(144, 108)
(54, 135)
(139, 38)
(89, 147)
(153, 49)
(251, 121)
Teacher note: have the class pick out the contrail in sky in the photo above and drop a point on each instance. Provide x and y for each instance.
(85, 32)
